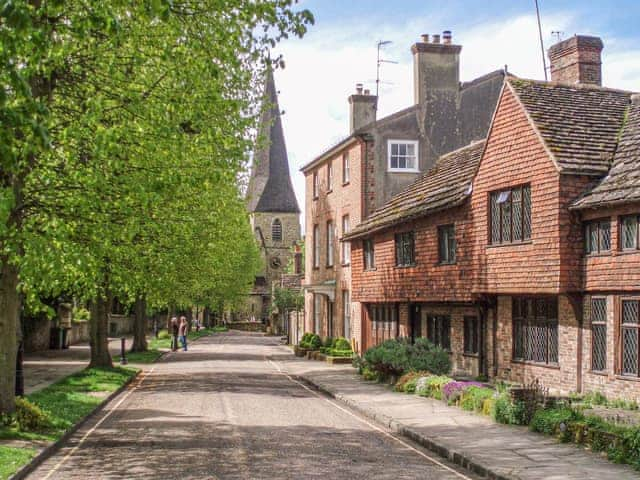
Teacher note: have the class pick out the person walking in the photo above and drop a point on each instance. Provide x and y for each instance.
(175, 330)
(183, 331)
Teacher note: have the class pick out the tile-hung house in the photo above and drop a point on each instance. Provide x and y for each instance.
(543, 258)
(379, 159)
(412, 264)
(272, 204)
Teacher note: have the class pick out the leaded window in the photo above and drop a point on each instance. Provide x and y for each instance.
(510, 215)
(629, 232)
(405, 249)
(598, 334)
(598, 236)
(447, 244)
(368, 250)
(535, 330)
(471, 335)
(384, 319)
(439, 330)
(629, 330)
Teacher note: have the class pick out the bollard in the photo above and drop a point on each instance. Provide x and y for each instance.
(123, 358)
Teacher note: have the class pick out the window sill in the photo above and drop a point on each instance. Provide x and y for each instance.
(344, 184)
(370, 269)
(553, 366)
(445, 264)
(406, 266)
(329, 191)
(316, 268)
(329, 267)
(315, 198)
(471, 355)
(345, 264)
(627, 377)
(599, 254)
(627, 251)
(600, 373)
(512, 244)
(403, 170)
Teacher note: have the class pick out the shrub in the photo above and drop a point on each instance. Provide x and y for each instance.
(334, 352)
(409, 377)
(30, 417)
(548, 420)
(370, 375)
(433, 386)
(389, 359)
(424, 355)
(452, 390)
(473, 398)
(311, 341)
(163, 334)
(410, 386)
(328, 342)
(509, 412)
(488, 405)
(342, 343)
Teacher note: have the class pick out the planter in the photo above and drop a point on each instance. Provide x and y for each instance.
(338, 360)
(299, 351)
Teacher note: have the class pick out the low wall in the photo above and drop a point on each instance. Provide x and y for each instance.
(247, 326)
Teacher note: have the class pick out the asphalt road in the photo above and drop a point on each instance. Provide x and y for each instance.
(224, 411)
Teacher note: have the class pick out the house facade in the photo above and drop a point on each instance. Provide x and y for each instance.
(543, 282)
(379, 159)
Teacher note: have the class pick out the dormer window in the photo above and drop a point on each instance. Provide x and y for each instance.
(403, 155)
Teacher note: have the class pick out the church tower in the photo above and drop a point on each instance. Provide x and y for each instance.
(272, 204)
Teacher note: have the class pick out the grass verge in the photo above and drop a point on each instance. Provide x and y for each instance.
(65, 403)
(149, 356)
(164, 340)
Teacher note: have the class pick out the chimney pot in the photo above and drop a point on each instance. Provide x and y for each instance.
(635, 99)
(436, 38)
(367, 92)
(359, 88)
(425, 38)
(446, 37)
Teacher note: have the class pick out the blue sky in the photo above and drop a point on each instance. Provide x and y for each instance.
(339, 51)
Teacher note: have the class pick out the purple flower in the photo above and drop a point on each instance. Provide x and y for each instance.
(454, 389)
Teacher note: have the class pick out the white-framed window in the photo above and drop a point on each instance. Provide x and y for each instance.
(317, 312)
(346, 314)
(346, 246)
(316, 185)
(316, 246)
(402, 155)
(346, 168)
(330, 241)
(330, 177)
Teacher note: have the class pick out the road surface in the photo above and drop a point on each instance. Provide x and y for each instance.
(224, 410)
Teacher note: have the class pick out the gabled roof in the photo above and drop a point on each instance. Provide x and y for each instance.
(622, 184)
(270, 188)
(579, 124)
(447, 184)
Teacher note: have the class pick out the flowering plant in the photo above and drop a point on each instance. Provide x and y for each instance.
(452, 390)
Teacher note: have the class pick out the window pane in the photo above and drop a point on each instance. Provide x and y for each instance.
(630, 312)
(402, 150)
(495, 219)
(630, 232)
(630, 351)
(599, 310)
(394, 162)
(402, 162)
(605, 235)
(526, 212)
(411, 149)
(517, 214)
(506, 221)
(395, 149)
(599, 347)
(593, 238)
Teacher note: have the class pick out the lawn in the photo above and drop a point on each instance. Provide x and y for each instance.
(149, 356)
(164, 340)
(65, 402)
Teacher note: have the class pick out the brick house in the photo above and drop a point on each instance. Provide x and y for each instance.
(379, 159)
(544, 282)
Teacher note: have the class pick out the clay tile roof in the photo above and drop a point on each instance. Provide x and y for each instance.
(447, 184)
(580, 124)
(622, 184)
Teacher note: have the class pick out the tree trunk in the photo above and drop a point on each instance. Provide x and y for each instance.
(140, 326)
(9, 311)
(99, 331)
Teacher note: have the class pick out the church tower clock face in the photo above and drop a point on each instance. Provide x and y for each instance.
(276, 262)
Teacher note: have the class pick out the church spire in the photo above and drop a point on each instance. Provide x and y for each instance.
(270, 188)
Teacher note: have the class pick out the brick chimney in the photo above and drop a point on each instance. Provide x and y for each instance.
(362, 108)
(436, 66)
(577, 60)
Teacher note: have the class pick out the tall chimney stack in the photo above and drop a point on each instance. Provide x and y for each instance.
(362, 108)
(577, 60)
(436, 66)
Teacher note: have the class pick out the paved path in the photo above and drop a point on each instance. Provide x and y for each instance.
(44, 368)
(222, 410)
(503, 451)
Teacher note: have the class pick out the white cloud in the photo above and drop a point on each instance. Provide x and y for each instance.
(323, 68)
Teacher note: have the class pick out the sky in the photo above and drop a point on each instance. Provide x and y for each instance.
(339, 51)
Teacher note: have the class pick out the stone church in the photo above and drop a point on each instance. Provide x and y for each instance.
(272, 204)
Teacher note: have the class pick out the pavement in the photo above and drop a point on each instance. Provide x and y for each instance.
(490, 449)
(228, 410)
(41, 369)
